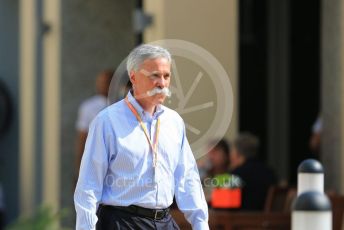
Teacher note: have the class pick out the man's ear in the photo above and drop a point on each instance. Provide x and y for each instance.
(132, 77)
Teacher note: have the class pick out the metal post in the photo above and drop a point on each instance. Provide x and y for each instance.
(312, 210)
(310, 176)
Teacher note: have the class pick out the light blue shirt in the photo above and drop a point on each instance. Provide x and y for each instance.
(117, 166)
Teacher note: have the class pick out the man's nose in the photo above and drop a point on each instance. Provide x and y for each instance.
(161, 82)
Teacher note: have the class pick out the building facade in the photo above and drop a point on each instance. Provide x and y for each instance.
(52, 50)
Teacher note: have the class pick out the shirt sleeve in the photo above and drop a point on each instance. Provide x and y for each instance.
(83, 121)
(94, 165)
(188, 192)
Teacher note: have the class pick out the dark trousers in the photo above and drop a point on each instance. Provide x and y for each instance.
(115, 219)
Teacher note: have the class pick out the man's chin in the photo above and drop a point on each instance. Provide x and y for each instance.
(161, 101)
(159, 97)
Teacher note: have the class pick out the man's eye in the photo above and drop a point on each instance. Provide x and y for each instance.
(155, 76)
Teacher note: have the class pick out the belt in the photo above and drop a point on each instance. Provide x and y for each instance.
(156, 214)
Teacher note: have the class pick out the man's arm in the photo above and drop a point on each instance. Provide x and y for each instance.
(188, 189)
(93, 169)
(80, 147)
(82, 124)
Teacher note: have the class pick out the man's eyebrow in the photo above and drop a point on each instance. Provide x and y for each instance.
(146, 73)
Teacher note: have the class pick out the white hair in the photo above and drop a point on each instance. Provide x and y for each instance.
(146, 51)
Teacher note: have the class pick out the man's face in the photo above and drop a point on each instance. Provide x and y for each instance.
(216, 157)
(152, 73)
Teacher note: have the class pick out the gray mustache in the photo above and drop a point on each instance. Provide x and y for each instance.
(156, 90)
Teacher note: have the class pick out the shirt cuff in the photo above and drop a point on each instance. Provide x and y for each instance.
(200, 226)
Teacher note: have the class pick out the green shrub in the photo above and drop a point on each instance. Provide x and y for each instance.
(43, 219)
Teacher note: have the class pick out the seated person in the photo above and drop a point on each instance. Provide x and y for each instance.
(216, 162)
(218, 157)
(256, 176)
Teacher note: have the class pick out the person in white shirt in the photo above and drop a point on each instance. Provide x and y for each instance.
(88, 110)
(137, 157)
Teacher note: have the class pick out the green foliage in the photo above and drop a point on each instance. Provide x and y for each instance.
(43, 219)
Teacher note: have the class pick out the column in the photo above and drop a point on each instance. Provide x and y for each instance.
(333, 93)
(27, 107)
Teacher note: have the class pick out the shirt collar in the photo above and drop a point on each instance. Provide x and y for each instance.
(159, 108)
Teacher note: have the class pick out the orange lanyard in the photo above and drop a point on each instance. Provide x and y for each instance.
(154, 145)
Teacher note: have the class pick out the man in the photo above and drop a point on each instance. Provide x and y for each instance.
(89, 109)
(137, 157)
(256, 176)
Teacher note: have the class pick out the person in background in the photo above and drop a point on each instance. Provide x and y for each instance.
(218, 157)
(89, 109)
(255, 175)
(315, 139)
(216, 162)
